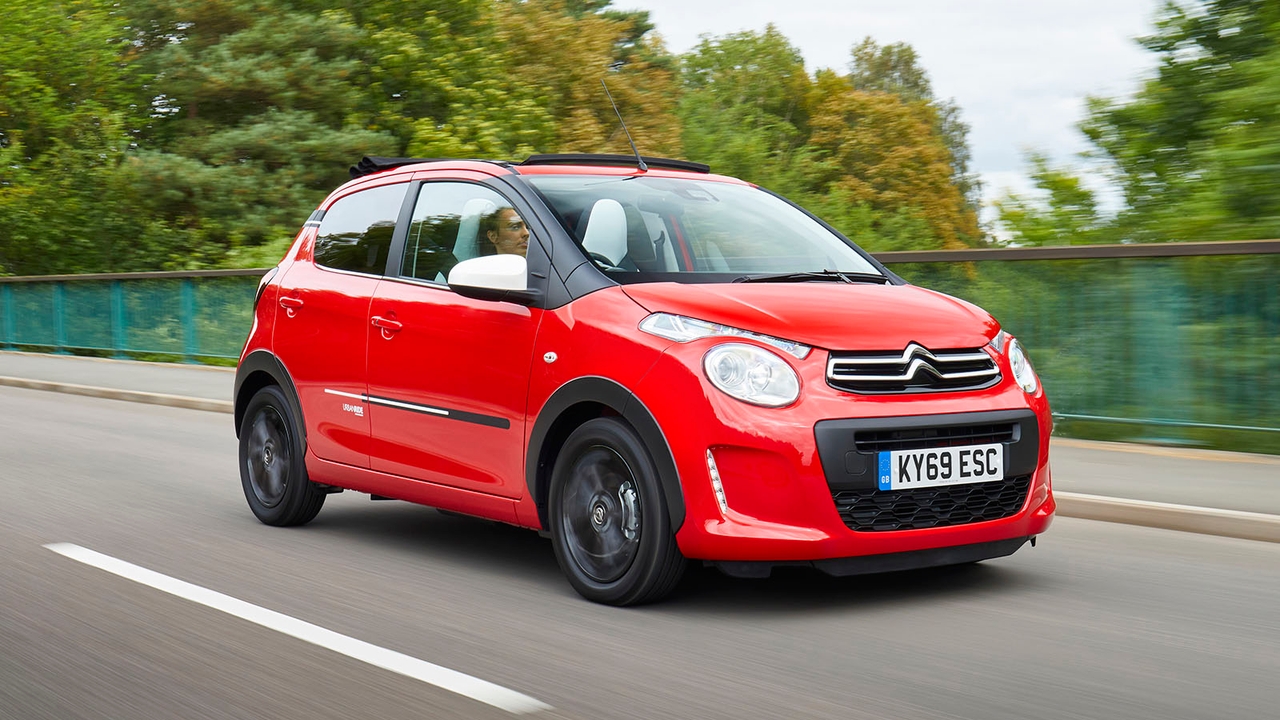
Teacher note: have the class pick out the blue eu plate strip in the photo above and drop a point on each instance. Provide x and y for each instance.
(884, 470)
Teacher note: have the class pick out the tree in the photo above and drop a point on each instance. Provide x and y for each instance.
(745, 107)
(882, 151)
(257, 112)
(896, 69)
(1066, 213)
(66, 81)
(152, 134)
(1194, 150)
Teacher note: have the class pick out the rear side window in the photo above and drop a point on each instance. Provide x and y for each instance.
(356, 232)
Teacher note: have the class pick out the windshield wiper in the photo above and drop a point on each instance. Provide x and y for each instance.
(835, 275)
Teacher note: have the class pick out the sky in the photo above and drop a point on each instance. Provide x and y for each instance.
(1019, 69)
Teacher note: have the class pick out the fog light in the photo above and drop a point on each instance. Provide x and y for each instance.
(715, 482)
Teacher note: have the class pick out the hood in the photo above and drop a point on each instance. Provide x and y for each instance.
(833, 316)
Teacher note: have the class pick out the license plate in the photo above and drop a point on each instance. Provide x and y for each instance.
(905, 469)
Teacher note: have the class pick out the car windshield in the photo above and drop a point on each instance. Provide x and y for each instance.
(638, 226)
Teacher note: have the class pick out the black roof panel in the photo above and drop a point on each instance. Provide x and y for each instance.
(623, 160)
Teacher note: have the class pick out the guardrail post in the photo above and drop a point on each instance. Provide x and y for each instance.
(190, 346)
(6, 299)
(118, 338)
(59, 320)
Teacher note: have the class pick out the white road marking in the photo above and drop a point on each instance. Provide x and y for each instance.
(441, 677)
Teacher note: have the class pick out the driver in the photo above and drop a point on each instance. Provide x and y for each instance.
(504, 232)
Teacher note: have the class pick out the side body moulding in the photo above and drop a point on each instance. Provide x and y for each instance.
(254, 365)
(592, 391)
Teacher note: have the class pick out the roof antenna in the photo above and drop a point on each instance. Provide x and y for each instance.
(639, 160)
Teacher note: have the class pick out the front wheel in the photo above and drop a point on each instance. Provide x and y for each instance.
(272, 468)
(609, 523)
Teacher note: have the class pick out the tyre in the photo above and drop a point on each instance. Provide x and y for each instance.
(272, 468)
(609, 524)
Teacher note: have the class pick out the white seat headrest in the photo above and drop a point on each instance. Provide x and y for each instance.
(606, 234)
(467, 245)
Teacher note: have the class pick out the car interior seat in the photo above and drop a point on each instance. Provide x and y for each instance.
(643, 250)
(606, 234)
(467, 245)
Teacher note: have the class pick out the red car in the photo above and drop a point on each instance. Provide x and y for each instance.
(651, 365)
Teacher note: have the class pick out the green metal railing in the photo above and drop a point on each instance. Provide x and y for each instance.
(1179, 341)
(1176, 342)
(194, 315)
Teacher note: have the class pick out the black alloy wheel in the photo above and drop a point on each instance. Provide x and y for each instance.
(272, 470)
(609, 523)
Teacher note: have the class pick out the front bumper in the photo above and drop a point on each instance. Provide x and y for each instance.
(783, 470)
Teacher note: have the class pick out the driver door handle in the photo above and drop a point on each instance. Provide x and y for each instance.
(290, 303)
(385, 324)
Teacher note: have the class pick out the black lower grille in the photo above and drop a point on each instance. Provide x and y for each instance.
(880, 511)
(920, 438)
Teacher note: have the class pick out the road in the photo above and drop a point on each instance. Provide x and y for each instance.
(1099, 621)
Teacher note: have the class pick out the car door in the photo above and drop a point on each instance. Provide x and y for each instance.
(320, 332)
(449, 375)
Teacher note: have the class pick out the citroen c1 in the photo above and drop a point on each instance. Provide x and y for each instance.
(650, 363)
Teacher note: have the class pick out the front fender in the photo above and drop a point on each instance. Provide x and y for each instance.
(611, 394)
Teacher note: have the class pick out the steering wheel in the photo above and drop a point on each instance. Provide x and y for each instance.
(602, 260)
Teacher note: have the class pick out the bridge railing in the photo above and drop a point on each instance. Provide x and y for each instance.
(194, 315)
(1176, 341)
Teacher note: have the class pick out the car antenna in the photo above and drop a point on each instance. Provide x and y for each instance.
(639, 160)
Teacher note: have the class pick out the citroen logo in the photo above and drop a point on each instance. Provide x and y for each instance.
(919, 357)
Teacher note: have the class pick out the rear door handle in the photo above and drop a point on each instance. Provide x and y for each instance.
(385, 324)
(290, 303)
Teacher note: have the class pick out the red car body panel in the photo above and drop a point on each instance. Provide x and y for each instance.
(468, 355)
(504, 361)
(828, 315)
(780, 505)
(322, 343)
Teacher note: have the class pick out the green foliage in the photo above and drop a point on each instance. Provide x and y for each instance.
(170, 134)
(1065, 214)
(1196, 151)
(866, 151)
(896, 69)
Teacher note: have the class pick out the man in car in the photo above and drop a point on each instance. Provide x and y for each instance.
(505, 232)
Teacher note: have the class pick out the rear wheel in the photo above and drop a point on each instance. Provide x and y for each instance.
(609, 523)
(272, 468)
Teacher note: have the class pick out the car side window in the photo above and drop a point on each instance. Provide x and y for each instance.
(454, 221)
(356, 231)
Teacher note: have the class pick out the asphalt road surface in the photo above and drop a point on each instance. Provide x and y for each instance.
(1099, 621)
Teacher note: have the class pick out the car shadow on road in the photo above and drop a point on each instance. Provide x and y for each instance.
(503, 550)
(799, 589)
(457, 540)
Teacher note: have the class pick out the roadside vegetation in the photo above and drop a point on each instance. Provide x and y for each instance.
(178, 134)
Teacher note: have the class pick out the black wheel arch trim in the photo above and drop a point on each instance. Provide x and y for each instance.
(613, 395)
(267, 362)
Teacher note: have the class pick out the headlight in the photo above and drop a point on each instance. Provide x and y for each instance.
(751, 374)
(684, 329)
(1022, 371)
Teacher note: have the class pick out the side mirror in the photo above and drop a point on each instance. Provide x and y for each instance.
(502, 278)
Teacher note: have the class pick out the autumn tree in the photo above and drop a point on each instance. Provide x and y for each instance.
(895, 68)
(865, 150)
(882, 152)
